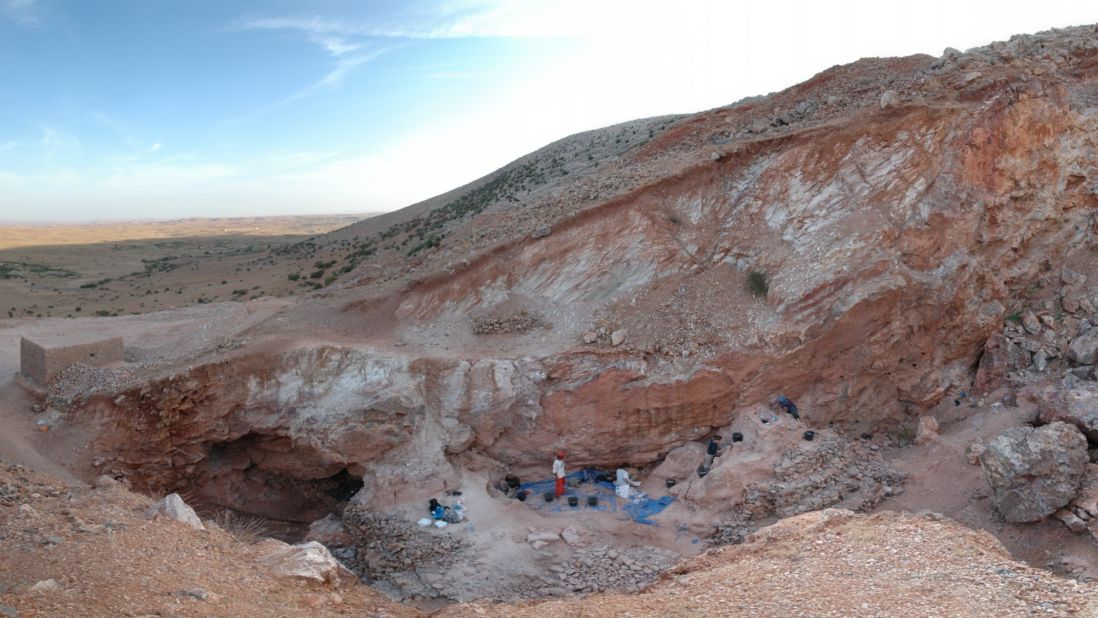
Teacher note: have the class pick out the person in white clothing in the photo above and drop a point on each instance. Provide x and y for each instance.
(558, 472)
(623, 485)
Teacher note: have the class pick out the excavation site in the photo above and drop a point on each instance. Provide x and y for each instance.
(828, 351)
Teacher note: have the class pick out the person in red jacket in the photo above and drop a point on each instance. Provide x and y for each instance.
(558, 471)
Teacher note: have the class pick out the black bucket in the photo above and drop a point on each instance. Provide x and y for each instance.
(737, 437)
(573, 501)
(670, 483)
(549, 496)
(521, 495)
(809, 435)
(592, 500)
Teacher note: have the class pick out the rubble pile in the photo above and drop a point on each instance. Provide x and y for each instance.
(849, 473)
(74, 384)
(501, 324)
(608, 569)
(388, 547)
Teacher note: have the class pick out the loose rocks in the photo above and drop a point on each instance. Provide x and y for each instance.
(518, 322)
(1084, 348)
(173, 507)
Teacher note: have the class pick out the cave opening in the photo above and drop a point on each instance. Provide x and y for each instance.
(270, 477)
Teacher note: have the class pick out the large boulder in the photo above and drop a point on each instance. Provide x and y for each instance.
(309, 560)
(1077, 406)
(1084, 348)
(1034, 471)
(1087, 498)
(173, 507)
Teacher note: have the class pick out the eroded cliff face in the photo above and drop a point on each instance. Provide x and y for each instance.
(278, 434)
(895, 230)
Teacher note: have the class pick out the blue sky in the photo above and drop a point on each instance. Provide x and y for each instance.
(173, 108)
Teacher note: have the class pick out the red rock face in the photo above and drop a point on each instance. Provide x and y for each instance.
(891, 241)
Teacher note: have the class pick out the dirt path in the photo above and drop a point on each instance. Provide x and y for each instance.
(18, 442)
(940, 479)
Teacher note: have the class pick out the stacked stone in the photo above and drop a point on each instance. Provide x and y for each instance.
(383, 545)
(608, 569)
(838, 473)
(519, 322)
(78, 381)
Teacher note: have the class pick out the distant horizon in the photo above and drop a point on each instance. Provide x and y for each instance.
(131, 110)
(166, 219)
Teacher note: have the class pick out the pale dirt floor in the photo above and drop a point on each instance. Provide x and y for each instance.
(941, 480)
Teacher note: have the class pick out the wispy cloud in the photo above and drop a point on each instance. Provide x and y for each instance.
(22, 12)
(348, 45)
(8, 145)
(55, 142)
(461, 19)
(136, 146)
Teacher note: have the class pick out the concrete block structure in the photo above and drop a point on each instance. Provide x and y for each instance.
(45, 356)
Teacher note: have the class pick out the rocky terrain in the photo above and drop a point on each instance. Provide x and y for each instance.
(901, 246)
(835, 563)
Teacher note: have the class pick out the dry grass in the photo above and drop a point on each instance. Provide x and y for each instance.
(245, 528)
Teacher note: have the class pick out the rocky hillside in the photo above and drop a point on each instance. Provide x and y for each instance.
(890, 214)
(892, 239)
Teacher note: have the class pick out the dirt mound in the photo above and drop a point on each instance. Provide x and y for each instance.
(108, 559)
(835, 563)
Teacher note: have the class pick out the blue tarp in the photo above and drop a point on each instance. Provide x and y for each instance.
(588, 484)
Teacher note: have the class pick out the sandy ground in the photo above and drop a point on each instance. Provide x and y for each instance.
(56, 234)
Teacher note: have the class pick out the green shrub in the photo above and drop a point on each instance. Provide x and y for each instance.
(293, 276)
(757, 283)
(904, 435)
